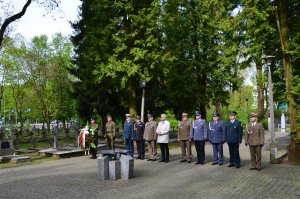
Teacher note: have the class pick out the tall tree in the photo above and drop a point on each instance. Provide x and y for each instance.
(206, 49)
(283, 9)
(121, 44)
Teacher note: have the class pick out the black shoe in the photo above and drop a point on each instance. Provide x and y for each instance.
(214, 163)
(253, 168)
(93, 157)
(220, 164)
(231, 165)
(182, 160)
(153, 160)
(202, 163)
(189, 161)
(161, 160)
(258, 169)
(198, 163)
(149, 159)
(237, 166)
(166, 161)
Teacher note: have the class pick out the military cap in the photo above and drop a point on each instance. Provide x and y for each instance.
(253, 115)
(232, 113)
(128, 115)
(198, 113)
(138, 117)
(184, 115)
(108, 116)
(149, 115)
(93, 118)
(216, 114)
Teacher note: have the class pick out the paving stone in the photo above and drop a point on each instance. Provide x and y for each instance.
(77, 178)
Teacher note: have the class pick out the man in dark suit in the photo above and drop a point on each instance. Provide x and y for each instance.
(139, 128)
(234, 134)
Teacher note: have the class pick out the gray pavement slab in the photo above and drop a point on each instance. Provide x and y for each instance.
(77, 178)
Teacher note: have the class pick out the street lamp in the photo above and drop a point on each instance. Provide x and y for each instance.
(143, 86)
(273, 145)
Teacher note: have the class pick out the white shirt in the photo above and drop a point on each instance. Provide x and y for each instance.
(162, 131)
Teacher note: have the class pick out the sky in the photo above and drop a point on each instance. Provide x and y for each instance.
(33, 23)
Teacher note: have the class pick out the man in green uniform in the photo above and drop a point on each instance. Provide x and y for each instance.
(185, 127)
(110, 132)
(94, 132)
(255, 138)
(150, 136)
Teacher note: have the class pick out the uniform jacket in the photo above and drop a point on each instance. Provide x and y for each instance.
(150, 131)
(162, 131)
(128, 130)
(184, 130)
(94, 130)
(216, 132)
(199, 130)
(139, 129)
(255, 134)
(110, 128)
(234, 131)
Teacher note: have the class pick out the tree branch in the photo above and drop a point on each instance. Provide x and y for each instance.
(12, 19)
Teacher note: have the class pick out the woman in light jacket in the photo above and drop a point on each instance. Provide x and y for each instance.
(163, 137)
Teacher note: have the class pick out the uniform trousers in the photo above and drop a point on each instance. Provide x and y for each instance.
(141, 149)
(110, 141)
(255, 152)
(152, 149)
(164, 149)
(234, 154)
(186, 150)
(94, 150)
(199, 145)
(218, 153)
(129, 146)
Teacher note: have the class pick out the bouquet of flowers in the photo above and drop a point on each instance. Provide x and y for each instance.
(83, 137)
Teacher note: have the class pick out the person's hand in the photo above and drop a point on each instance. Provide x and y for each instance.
(178, 140)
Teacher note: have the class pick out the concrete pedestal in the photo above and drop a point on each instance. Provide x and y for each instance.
(127, 167)
(103, 166)
(114, 169)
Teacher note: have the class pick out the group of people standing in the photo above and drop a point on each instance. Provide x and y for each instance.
(196, 131)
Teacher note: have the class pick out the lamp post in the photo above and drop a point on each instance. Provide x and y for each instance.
(247, 109)
(143, 86)
(273, 145)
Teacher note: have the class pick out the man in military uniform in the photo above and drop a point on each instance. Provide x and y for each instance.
(110, 133)
(234, 134)
(150, 136)
(128, 134)
(94, 131)
(183, 136)
(139, 128)
(255, 138)
(216, 132)
(199, 135)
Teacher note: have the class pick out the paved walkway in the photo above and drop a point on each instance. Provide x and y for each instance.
(77, 178)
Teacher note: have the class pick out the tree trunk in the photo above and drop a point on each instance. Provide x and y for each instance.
(282, 22)
(132, 96)
(260, 92)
